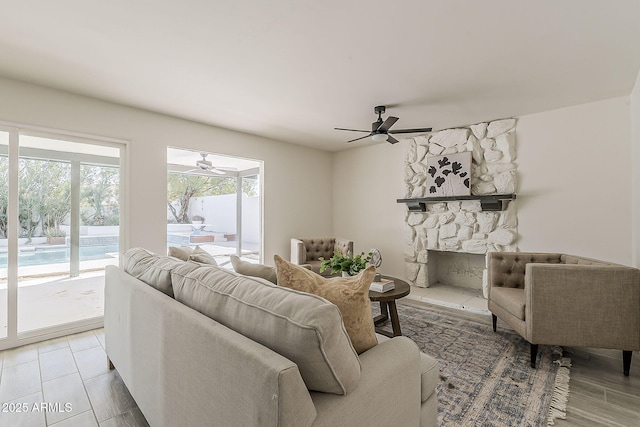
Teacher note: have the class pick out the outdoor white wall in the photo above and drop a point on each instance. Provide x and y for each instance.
(563, 202)
(220, 212)
(635, 179)
(250, 220)
(575, 180)
(297, 180)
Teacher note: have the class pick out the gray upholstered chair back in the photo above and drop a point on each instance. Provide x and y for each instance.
(316, 247)
(308, 250)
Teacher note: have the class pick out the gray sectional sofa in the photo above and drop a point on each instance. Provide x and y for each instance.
(199, 345)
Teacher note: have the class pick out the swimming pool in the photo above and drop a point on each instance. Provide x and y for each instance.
(58, 255)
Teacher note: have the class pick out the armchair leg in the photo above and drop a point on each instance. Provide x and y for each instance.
(494, 319)
(626, 361)
(534, 355)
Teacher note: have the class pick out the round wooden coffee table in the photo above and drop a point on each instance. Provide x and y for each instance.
(388, 309)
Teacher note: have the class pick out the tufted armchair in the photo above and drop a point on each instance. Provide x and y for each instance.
(566, 300)
(307, 250)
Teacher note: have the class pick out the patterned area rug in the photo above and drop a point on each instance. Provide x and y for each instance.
(485, 377)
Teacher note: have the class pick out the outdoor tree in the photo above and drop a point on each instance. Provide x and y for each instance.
(44, 195)
(181, 188)
(4, 195)
(99, 196)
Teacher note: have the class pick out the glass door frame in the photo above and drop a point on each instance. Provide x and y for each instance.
(14, 338)
(248, 174)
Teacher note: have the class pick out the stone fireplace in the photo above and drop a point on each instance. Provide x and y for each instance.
(448, 239)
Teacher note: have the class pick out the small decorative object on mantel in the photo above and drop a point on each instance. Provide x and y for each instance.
(449, 175)
(348, 265)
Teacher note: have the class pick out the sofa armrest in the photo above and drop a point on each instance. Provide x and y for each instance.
(298, 252)
(583, 305)
(391, 372)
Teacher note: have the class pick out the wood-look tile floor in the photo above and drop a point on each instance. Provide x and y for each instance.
(600, 395)
(73, 370)
(64, 382)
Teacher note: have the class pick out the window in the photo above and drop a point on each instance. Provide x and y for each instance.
(214, 202)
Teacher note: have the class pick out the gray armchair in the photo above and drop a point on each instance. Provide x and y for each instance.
(566, 300)
(307, 250)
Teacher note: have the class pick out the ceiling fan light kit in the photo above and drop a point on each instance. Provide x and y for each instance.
(381, 129)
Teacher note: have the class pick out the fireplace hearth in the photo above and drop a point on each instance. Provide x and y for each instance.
(456, 269)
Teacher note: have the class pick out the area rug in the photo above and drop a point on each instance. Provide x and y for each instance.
(485, 376)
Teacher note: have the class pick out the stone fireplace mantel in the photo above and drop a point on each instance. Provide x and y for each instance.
(491, 202)
(485, 221)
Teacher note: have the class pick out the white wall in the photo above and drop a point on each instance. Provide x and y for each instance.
(352, 194)
(367, 182)
(574, 167)
(635, 189)
(563, 202)
(293, 204)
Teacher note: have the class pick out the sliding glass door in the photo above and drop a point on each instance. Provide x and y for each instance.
(4, 255)
(65, 230)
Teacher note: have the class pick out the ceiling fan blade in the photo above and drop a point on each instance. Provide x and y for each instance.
(362, 137)
(418, 130)
(352, 130)
(391, 140)
(384, 128)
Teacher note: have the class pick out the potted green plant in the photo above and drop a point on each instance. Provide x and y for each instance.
(346, 264)
(197, 220)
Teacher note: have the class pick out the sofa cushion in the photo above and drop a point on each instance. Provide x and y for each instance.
(350, 294)
(304, 328)
(511, 299)
(429, 372)
(256, 270)
(152, 269)
(430, 375)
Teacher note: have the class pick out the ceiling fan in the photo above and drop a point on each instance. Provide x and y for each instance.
(380, 129)
(206, 165)
(202, 167)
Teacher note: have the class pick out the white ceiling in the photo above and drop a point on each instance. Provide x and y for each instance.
(293, 70)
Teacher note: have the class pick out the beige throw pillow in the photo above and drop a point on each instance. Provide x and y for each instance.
(181, 252)
(202, 256)
(254, 270)
(349, 294)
